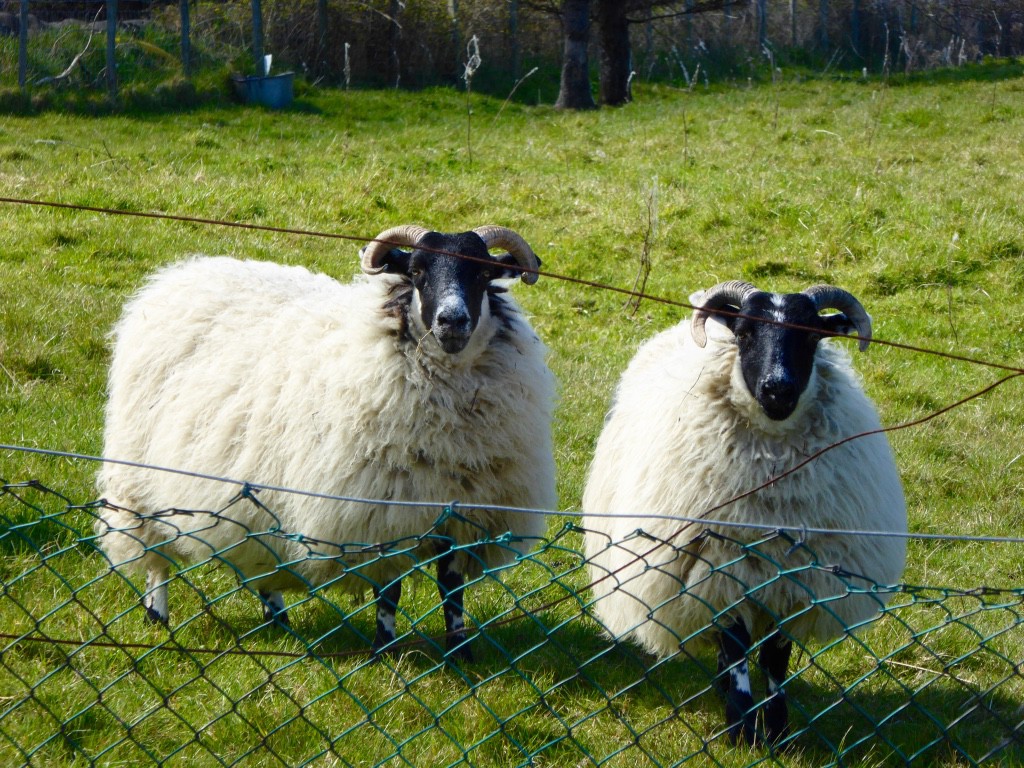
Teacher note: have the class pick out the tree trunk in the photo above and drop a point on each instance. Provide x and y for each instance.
(616, 54)
(574, 91)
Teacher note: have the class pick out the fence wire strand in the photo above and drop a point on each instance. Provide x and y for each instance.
(937, 675)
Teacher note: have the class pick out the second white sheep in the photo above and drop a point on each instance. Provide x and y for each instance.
(705, 416)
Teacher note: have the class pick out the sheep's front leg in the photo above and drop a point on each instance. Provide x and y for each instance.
(155, 598)
(273, 607)
(733, 647)
(774, 660)
(387, 599)
(450, 584)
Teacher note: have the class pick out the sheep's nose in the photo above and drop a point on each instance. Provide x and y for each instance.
(453, 319)
(452, 326)
(778, 396)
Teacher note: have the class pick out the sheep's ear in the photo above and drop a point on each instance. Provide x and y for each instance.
(396, 262)
(508, 267)
(697, 301)
(840, 323)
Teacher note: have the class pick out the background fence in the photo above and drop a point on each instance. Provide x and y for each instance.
(85, 679)
(69, 44)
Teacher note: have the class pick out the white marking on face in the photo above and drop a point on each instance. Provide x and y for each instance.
(454, 305)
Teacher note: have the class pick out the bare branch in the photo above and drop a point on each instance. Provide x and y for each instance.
(74, 62)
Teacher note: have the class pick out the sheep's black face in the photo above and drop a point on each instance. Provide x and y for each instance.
(450, 291)
(777, 361)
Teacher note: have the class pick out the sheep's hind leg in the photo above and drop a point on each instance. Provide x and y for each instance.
(155, 598)
(740, 717)
(387, 599)
(774, 660)
(451, 585)
(273, 608)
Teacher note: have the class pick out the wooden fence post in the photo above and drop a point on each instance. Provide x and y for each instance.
(257, 38)
(111, 45)
(23, 44)
(513, 35)
(186, 42)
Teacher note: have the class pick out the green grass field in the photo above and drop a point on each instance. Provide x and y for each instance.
(906, 193)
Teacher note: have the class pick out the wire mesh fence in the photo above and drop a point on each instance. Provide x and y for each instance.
(86, 679)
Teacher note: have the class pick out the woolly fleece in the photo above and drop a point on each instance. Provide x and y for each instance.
(274, 375)
(684, 435)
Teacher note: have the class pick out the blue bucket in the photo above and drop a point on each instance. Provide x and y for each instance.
(274, 91)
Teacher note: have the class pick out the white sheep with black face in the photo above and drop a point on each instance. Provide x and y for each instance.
(422, 381)
(707, 412)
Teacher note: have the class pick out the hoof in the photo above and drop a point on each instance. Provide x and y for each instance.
(387, 651)
(279, 619)
(154, 616)
(744, 730)
(775, 738)
(459, 650)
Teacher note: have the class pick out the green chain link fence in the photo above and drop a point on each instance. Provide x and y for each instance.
(86, 680)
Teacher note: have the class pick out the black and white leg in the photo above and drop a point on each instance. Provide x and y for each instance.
(387, 599)
(451, 585)
(774, 661)
(273, 607)
(155, 598)
(734, 671)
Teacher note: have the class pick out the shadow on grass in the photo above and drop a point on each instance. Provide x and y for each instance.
(935, 679)
(573, 686)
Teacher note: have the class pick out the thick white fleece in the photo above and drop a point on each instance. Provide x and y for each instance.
(274, 375)
(684, 435)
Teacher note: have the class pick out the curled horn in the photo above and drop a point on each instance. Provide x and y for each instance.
(830, 297)
(513, 242)
(373, 253)
(724, 294)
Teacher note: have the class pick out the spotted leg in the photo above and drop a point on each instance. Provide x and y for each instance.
(387, 605)
(451, 585)
(740, 717)
(774, 660)
(273, 607)
(155, 599)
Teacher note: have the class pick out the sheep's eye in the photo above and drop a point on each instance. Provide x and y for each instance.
(486, 274)
(416, 273)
